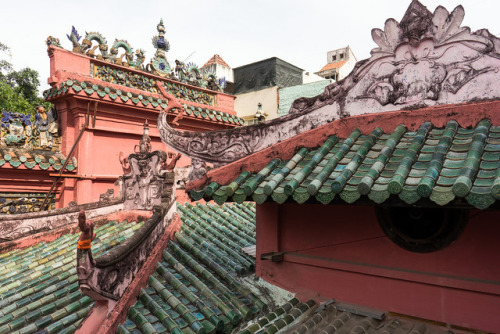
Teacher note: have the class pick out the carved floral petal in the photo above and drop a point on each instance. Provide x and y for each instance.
(379, 37)
(392, 33)
(452, 24)
(439, 20)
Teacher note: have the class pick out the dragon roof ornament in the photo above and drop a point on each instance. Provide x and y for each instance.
(426, 59)
(94, 45)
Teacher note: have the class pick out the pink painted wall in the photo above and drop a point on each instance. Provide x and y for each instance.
(22, 180)
(341, 252)
(118, 128)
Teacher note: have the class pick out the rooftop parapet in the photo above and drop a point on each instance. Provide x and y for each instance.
(101, 66)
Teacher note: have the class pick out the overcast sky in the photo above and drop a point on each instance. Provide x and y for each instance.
(242, 32)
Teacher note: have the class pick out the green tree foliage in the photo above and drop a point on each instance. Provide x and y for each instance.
(18, 89)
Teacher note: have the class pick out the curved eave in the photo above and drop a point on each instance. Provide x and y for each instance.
(274, 167)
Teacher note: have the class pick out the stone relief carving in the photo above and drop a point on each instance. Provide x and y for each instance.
(425, 57)
(424, 60)
(150, 180)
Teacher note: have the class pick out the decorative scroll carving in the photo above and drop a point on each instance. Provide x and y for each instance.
(426, 59)
(108, 276)
(222, 147)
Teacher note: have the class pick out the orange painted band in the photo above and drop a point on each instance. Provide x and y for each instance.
(84, 244)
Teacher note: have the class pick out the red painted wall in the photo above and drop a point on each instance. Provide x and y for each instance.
(341, 252)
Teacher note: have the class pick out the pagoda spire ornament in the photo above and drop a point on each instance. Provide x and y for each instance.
(159, 63)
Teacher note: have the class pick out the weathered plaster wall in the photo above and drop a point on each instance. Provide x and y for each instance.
(246, 104)
(341, 252)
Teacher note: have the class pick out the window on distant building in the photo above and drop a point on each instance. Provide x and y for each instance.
(334, 57)
(252, 121)
(341, 56)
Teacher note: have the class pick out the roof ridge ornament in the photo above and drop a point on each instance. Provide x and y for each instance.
(188, 73)
(159, 63)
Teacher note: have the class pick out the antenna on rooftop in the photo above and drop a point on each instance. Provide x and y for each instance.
(192, 53)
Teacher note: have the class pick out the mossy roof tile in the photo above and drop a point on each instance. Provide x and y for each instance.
(34, 301)
(446, 162)
(195, 286)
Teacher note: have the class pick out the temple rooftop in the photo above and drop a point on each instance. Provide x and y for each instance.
(203, 283)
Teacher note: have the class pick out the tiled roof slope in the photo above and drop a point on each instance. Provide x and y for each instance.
(148, 100)
(216, 59)
(46, 160)
(195, 288)
(39, 290)
(441, 164)
(309, 318)
(329, 66)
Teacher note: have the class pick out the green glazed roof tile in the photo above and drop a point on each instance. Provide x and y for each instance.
(40, 291)
(440, 164)
(44, 159)
(194, 288)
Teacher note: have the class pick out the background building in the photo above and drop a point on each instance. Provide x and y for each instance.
(340, 63)
(259, 88)
(216, 65)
